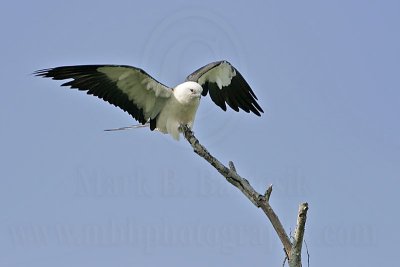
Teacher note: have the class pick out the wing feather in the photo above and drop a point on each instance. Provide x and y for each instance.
(130, 88)
(226, 85)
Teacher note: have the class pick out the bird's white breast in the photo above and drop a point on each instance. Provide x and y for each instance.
(176, 113)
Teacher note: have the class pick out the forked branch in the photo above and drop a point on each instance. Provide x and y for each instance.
(293, 251)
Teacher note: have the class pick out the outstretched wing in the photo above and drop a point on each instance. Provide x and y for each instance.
(130, 88)
(226, 86)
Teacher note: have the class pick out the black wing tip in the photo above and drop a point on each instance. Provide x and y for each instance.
(254, 110)
(258, 108)
(257, 113)
(42, 72)
(51, 72)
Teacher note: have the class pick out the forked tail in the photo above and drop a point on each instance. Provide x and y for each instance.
(136, 126)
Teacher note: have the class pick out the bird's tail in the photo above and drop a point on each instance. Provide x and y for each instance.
(136, 126)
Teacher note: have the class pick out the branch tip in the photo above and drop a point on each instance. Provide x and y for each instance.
(268, 192)
(232, 166)
(295, 255)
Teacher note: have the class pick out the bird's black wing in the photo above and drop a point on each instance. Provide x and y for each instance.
(130, 88)
(226, 86)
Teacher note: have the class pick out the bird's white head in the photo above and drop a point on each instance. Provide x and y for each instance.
(188, 92)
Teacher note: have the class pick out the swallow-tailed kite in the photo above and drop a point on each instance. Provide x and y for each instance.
(151, 102)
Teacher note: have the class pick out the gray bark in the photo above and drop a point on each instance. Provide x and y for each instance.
(292, 250)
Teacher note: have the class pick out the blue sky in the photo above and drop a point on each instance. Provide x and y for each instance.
(326, 75)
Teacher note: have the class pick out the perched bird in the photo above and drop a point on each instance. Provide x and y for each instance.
(151, 102)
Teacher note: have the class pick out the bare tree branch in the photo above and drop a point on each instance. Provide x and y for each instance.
(276, 223)
(260, 201)
(295, 255)
(293, 251)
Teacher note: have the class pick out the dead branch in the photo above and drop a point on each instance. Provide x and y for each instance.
(293, 251)
(295, 256)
